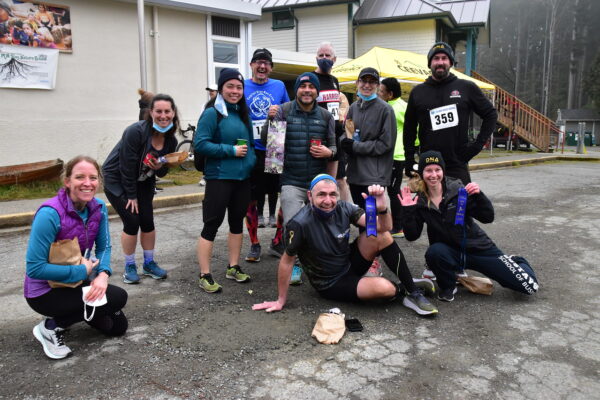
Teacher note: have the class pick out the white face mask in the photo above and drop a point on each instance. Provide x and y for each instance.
(97, 303)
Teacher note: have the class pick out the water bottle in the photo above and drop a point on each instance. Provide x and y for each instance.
(356, 135)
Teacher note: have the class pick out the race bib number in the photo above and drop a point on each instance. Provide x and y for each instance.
(443, 117)
(256, 127)
(334, 109)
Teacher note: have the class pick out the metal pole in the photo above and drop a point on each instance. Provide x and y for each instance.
(581, 134)
(142, 44)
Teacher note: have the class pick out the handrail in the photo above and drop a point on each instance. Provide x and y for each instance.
(522, 119)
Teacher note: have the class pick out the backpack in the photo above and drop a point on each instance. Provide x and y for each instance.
(199, 158)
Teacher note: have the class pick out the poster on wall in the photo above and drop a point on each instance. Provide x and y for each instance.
(28, 68)
(35, 24)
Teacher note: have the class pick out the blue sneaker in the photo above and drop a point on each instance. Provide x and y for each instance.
(296, 278)
(130, 275)
(152, 269)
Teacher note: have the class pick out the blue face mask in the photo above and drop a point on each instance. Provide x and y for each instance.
(325, 64)
(323, 214)
(367, 98)
(162, 130)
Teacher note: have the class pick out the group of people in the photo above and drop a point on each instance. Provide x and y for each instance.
(330, 150)
(35, 26)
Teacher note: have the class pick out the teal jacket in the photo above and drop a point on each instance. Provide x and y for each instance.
(217, 144)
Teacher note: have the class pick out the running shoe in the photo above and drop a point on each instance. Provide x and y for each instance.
(426, 285)
(52, 340)
(152, 269)
(397, 233)
(261, 221)
(272, 221)
(254, 253)
(427, 273)
(276, 249)
(418, 303)
(202, 182)
(447, 294)
(235, 272)
(296, 278)
(130, 275)
(208, 284)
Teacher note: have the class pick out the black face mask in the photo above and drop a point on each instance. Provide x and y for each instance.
(325, 64)
(323, 214)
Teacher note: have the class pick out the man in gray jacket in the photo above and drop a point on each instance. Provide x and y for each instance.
(371, 150)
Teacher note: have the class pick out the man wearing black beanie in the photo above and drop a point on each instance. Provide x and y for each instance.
(439, 111)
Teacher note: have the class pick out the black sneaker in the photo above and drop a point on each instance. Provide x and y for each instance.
(447, 294)
(276, 249)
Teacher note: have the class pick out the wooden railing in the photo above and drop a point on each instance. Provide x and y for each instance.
(522, 119)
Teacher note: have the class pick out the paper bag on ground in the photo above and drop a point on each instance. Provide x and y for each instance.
(329, 328)
(477, 284)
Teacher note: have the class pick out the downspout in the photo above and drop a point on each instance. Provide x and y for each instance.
(296, 22)
(142, 45)
(155, 35)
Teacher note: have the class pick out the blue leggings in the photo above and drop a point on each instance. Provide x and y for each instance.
(511, 272)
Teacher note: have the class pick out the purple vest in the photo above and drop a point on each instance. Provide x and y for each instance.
(71, 225)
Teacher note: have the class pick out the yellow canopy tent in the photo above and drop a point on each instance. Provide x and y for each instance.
(406, 66)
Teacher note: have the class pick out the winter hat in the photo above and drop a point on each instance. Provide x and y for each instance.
(431, 157)
(228, 74)
(440, 47)
(307, 76)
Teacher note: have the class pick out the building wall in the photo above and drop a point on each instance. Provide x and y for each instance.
(315, 25)
(415, 36)
(95, 97)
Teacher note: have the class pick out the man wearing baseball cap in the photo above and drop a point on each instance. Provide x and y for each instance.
(261, 93)
(439, 111)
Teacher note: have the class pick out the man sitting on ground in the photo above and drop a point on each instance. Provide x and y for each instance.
(319, 235)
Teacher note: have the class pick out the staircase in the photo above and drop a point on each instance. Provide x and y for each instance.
(523, 120)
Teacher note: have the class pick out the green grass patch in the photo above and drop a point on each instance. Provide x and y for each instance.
(32, 190)
(181, 177)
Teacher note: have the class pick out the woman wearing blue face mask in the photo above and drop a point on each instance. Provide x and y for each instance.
(130, 172)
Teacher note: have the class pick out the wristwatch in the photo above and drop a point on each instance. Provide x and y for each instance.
(382, 212)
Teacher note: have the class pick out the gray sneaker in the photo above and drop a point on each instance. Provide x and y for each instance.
(53, 340)
(254, 253)
(261, 221)
(426, 285)
(418, 303)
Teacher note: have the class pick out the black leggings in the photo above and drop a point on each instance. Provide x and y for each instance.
(65, 306)
(223, 195)
(144, 220)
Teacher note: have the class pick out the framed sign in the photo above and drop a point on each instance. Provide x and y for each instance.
(35, 24)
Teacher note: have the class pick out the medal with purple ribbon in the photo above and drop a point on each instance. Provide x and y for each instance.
(371, 215)
(461, 207)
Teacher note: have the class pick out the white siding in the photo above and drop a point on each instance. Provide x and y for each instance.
(95, 97)
(315, 25)
(415, 36)
(264, 36)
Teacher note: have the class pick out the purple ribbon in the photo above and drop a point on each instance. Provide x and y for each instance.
(371, 215)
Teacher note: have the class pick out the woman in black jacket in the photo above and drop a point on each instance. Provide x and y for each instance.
(456, 241)
(130, 172)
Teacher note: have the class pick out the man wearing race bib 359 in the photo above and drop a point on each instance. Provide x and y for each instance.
(441, 108)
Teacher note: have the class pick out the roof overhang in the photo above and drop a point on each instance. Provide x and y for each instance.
(287, 65)
(232, 8)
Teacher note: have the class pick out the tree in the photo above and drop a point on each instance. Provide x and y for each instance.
(592, 82)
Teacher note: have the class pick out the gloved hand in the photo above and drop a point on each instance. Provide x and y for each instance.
(347, 146)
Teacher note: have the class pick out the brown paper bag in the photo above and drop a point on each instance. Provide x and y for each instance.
(329, 328)
(349, 127)
(477, 284)
(177, 158)
(65, 252)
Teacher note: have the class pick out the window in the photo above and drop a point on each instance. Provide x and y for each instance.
(225, 53)
(283, 20)
(225, 27)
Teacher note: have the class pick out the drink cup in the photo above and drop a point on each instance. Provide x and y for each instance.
(147, 159)
(315, 142)
(242, 142)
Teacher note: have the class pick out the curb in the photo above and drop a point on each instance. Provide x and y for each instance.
(26, 218)
(23, 219)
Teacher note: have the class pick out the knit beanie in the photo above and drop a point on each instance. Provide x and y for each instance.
(431, 157)
(307, 76)
(228, 74)
(440, 47)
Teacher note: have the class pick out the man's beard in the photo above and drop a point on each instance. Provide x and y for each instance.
(440, 74)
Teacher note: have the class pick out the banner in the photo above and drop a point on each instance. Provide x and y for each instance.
(28, 67)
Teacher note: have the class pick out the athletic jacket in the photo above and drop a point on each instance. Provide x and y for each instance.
(452, 142)
(440, 222)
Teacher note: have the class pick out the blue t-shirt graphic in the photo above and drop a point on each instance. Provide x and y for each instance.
(259, 98)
